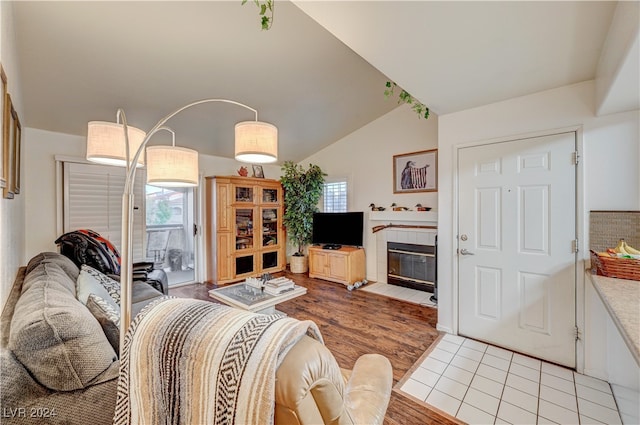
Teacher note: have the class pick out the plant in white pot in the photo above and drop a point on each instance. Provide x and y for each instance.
(302, 191)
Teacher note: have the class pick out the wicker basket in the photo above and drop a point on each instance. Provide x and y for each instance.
(299, 264)
(622, 268)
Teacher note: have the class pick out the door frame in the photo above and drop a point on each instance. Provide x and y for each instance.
(581, 218)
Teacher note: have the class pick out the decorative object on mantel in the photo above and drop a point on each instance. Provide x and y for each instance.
(374, 208)
(302, 191)
(243, 172)
(415, 172)
(376, 229)
(395, 207)
(419, 207)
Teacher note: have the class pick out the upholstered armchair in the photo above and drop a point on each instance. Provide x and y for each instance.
(311, 388)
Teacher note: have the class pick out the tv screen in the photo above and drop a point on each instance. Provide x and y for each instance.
(335, 229)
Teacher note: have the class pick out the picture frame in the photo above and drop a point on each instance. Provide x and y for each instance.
(258, 172)
(3, 128)
(415, 172)
(7, 147)
(16, 143)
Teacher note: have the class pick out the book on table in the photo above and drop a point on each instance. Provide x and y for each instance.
(279, 286)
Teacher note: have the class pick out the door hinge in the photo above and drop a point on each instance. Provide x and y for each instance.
(574, 246)
(576, 157)
(576, 333)
(196, 230)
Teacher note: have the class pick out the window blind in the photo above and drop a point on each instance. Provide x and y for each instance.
(93, 200)
(334, 196)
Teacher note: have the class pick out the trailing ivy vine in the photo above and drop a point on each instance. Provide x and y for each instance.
(266, 20)
(266, 12)
(404, 97)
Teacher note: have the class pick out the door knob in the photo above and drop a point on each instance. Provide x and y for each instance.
(464, 251)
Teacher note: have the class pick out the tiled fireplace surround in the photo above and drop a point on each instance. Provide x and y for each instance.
(376, 247)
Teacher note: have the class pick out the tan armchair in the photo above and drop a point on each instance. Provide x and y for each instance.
(311, 389)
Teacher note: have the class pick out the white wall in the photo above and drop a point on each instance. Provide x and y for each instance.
(41, 214)
(366, 158)
(610, 160)
(12, 226)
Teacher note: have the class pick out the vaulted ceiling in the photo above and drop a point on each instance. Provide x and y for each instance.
(79, 61)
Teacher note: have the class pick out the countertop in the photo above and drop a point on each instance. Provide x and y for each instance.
(621, 298)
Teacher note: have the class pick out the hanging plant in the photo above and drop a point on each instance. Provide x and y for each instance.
(266, 12)
(404, 97)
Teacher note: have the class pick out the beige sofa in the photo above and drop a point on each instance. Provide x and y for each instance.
(311, 389)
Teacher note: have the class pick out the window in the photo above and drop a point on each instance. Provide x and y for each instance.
(170, 224)
(93, 200)
(334, 196)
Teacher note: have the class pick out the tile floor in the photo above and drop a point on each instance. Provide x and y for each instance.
(482, 384)
(399, 292)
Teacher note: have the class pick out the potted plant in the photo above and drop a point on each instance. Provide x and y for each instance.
(302, 191)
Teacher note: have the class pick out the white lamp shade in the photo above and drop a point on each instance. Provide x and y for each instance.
(172, 166)
(106, 144)
(256, 142)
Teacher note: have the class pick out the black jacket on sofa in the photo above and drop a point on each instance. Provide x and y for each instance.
(88, 247)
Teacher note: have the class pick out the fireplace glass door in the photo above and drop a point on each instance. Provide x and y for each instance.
(412, 266)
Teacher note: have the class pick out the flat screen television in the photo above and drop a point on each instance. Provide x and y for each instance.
(331, 230)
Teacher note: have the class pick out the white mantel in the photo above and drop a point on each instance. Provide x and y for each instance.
(427, 218)
(376, 243)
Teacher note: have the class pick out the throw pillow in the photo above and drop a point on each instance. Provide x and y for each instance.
(108, 318)
(111, 285)
(90, 282)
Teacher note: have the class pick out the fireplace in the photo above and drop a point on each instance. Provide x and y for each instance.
(412, 265)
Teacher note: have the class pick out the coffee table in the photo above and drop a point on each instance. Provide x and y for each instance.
(241, 295)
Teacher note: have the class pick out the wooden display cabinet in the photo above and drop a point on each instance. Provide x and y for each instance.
(244, 230)
(345, 265)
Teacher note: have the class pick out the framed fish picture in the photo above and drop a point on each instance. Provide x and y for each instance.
(415, 172)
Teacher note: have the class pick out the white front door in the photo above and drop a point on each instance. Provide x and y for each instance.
(516, 235)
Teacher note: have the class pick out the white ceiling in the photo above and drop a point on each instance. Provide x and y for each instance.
(79, 61)
(457, 55)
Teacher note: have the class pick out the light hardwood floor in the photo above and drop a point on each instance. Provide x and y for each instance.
(358, 322)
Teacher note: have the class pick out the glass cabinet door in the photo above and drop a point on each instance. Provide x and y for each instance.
(243, 193)
(269, 195)
(244, 228)
(269, 227)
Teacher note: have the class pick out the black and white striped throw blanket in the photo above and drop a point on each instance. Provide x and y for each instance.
(195, 362)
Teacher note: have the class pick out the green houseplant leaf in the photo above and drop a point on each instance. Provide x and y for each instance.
(302, 191)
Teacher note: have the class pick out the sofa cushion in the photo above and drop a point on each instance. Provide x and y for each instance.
(108, 318)
(111, 285)
(53, 257)
(90, 281)
(141, 295)
(52, 271)
(55, 336)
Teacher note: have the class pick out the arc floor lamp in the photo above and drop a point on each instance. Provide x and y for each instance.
(167, 166)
